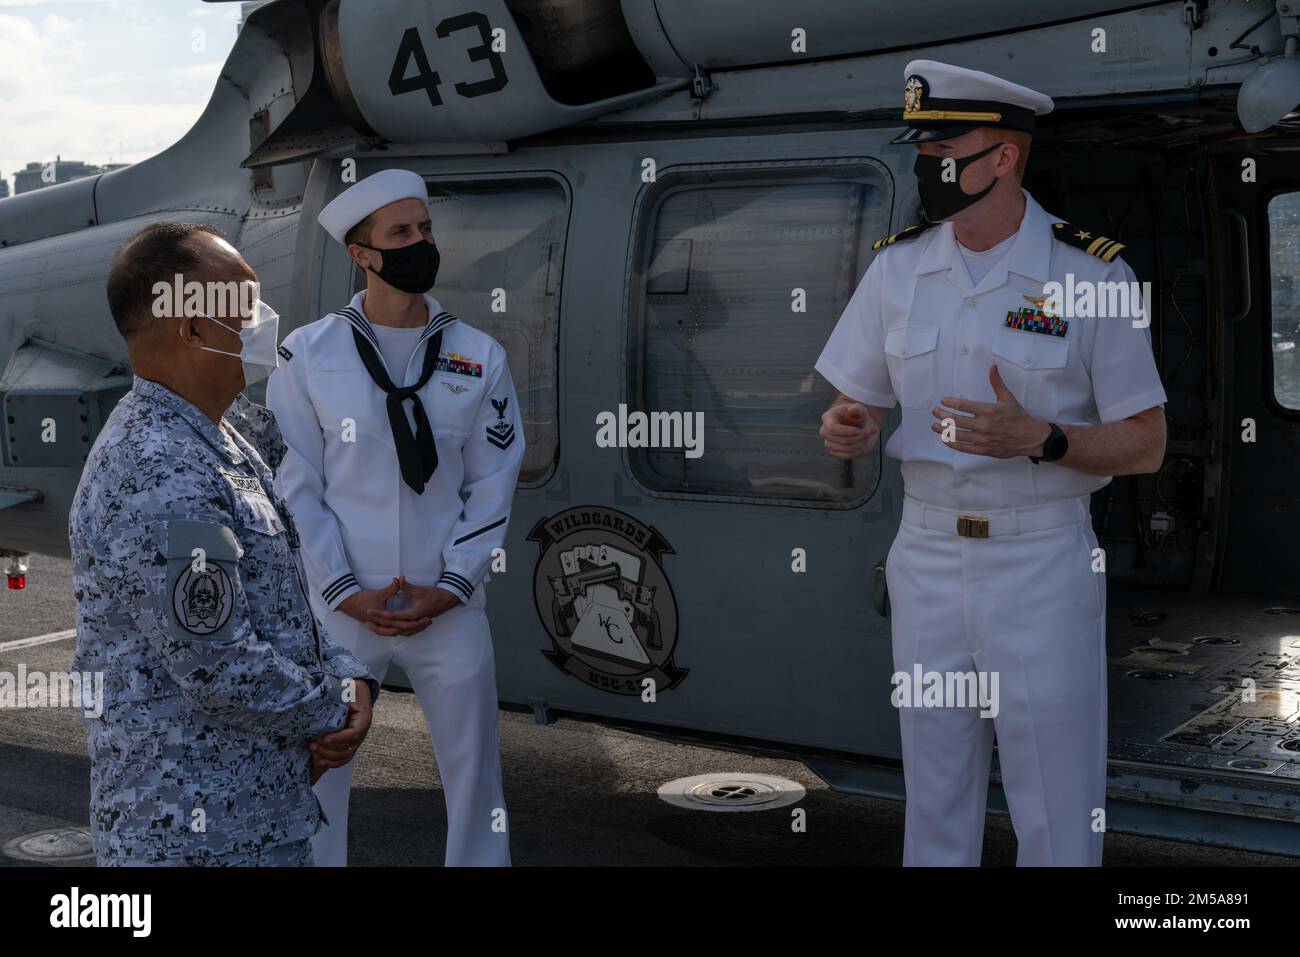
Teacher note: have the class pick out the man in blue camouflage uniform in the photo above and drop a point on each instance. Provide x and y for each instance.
(224, 700)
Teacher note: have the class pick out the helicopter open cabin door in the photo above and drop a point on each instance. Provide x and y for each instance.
(1260, 195)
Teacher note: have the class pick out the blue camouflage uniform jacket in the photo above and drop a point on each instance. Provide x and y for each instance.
(190, 599)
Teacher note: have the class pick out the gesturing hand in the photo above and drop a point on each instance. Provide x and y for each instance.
(1001, 429)
(427, 603)
(848, 430)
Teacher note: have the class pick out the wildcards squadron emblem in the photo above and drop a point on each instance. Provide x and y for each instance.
(605, 601)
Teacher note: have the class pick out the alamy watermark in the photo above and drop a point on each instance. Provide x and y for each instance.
(946, 689)
(180, 298)
(1097, 300)
(53, 689)
(655, 430)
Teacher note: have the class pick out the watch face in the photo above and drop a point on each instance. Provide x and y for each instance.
(1056, 445)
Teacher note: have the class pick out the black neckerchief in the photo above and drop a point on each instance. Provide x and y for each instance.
(416, 454)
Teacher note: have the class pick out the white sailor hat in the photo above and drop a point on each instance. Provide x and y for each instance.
(360, 200)
(941, 101)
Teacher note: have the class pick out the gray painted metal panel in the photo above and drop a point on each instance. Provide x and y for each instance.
(16, 496)
(484, 95)
(721, 34)
(62, 208)
(1151, 49)
(1136, 803)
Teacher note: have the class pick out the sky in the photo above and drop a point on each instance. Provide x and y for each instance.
(105, 80)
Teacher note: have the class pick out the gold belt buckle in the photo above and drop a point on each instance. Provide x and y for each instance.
(972, 526)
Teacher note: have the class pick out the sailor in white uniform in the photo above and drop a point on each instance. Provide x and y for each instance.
(1018, 402)
(404, 445)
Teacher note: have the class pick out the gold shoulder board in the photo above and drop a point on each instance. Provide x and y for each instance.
(1094, 244)
(909, 233)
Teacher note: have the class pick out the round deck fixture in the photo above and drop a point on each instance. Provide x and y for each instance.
(60, 845)
(725, 791)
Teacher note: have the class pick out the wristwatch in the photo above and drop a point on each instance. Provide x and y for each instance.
(1054, 446)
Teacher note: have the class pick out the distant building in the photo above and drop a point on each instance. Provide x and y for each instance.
(37, 175)
(4, 187)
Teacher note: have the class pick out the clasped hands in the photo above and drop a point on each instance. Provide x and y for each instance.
(370, 606)
(335, 749)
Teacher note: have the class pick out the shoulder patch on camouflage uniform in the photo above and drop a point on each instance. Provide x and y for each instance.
(911, 232)
(1094, 244)
(201, 557)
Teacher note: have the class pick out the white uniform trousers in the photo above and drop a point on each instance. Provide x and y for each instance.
(453, 673)
(1028, 606)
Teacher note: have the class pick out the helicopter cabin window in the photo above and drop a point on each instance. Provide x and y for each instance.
(742, 275)
(501, 247)
(1284, 294)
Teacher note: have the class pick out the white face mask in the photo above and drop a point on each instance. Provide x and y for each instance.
(259, 336)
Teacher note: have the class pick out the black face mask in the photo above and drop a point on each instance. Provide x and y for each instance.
(941, 198)
(411, 268)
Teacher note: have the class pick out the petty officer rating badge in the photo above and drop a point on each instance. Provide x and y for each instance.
(502, 433)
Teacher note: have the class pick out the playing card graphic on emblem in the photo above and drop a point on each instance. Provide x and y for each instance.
(605, 628)
(203, 601)
(605, 600)
(501, 433)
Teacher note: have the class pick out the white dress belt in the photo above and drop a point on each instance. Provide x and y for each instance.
(990, 523)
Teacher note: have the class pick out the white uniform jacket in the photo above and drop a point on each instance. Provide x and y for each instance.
(916, 330)
(361, 524)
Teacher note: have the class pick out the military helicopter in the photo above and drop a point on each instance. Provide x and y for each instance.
(661, 207)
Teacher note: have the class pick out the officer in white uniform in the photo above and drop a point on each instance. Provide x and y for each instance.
(1014, 410)
(404, 445)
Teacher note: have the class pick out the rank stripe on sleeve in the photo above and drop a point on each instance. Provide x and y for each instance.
(458, 582)
(478, 532)
(338, 586)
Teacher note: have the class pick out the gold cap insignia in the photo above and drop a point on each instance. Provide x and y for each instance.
(913, 91)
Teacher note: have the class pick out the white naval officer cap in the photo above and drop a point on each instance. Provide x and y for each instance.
(941, 101)
(361, 199)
